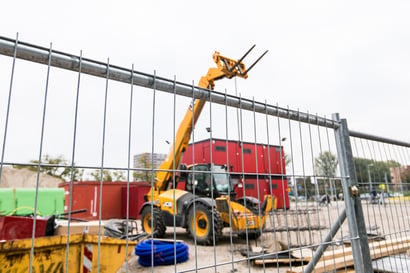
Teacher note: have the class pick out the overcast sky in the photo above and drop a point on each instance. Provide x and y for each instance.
(350, 57)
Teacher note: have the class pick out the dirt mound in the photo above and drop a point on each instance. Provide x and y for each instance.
(23, 178)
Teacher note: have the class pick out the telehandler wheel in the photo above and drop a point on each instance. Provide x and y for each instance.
(148, 218)
(201, 226)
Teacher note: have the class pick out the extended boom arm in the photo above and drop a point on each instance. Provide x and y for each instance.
(226, 68)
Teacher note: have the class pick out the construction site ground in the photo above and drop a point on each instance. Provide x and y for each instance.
(304, 224)
(300, 228)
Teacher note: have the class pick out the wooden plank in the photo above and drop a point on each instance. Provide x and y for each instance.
(341, 262)
(345, 251)
(389, 250)
(373, 245)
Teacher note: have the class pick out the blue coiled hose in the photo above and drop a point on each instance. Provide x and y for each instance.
(164, 252)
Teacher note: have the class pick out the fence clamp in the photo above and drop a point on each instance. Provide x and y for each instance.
(354, 191)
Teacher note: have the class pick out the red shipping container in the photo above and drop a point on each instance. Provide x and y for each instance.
(242, 157)
(18, 227)
(136, 199)
(251, 189)
(86, 195)
(255, 163)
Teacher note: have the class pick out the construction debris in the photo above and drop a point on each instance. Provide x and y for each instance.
(342, 258)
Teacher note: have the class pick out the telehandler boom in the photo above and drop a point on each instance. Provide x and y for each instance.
(202, 216)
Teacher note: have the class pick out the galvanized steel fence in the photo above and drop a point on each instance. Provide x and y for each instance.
(95, 116)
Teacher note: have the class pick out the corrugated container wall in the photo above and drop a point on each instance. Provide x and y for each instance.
(256, 164)
(86, 195)
(137, 192)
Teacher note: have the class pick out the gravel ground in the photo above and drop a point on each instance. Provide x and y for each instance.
(225, 257)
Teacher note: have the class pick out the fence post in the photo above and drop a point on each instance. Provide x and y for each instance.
(354, 211)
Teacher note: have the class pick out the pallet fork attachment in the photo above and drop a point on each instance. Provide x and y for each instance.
(232, 68)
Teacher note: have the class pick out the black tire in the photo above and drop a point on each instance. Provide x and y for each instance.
(201, 226)
(159, 227)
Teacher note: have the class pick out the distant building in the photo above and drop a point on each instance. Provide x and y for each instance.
(395, 173)
(400, 177)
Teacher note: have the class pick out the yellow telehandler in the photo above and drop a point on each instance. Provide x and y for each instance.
(203, 211)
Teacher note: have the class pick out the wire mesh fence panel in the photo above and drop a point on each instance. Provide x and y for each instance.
(382, 175)
(172, 177)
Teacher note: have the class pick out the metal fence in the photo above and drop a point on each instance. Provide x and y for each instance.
(93, 117)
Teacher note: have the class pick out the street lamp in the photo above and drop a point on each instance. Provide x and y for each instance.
(370, 178)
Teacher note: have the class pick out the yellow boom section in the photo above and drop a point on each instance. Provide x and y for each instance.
(225, 67)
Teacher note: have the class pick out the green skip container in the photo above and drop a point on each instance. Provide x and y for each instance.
(7, 201)
(21, 201)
